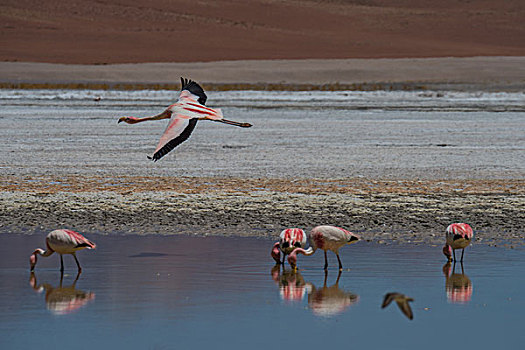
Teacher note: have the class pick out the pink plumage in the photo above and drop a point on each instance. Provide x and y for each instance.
(183, 116)
(458, 236)
(276, 253)
(458, 286)
(326, 238)
(289, 239)
(62, 242)
(79, 239)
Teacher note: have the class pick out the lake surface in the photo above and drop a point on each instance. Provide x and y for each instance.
(378, 134)
(184, 292)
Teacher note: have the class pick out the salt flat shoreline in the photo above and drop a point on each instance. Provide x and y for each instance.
(505, 73)
(381, 211)
(409, 210)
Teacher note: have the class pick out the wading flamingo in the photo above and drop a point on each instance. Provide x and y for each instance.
(401, 300)
(62, 242)
(289, 239)
(458, 236)
(183, 116)
(325, 238)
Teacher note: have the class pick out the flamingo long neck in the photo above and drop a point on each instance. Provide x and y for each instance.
(308, 251)
(43, 252)
(276, 253)
(292, 257)
(134, 120)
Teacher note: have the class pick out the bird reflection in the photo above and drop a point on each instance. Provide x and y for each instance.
(62, 300)
(457, 285)
(292, 286)
(330, 301)
(401, 301)
(325, 301)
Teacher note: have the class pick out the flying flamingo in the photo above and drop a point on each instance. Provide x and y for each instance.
(458, 236)
(62, 242)
(325, 238)
(183, 116)
(289, 239)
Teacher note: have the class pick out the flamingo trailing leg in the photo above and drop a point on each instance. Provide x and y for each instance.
(62, 242)
(325, 238)
(183, 116)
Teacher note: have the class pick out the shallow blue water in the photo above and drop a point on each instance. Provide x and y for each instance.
(154, 292)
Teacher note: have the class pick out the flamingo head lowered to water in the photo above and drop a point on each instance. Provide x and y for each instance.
(447, 250)
(33, 258)
(276, 253)
(292, 258)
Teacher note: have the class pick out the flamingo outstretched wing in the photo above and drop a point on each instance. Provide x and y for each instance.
(179, 130)
(194, 89)
(180, 127)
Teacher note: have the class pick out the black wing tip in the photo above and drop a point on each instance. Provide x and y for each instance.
(194, 88)
(84, 245)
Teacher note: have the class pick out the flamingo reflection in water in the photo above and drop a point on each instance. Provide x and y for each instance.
(292, 287)
(62, 300)
(325, 301)
(457, 285)
(330, 301)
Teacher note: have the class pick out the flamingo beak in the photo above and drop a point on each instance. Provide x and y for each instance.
(121, 119)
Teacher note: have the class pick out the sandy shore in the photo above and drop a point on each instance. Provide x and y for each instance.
(471, 73)
(382, 211)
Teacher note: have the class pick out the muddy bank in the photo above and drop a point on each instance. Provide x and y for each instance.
(382, 211)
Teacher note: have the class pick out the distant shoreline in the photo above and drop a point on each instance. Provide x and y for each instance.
(502, 73)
